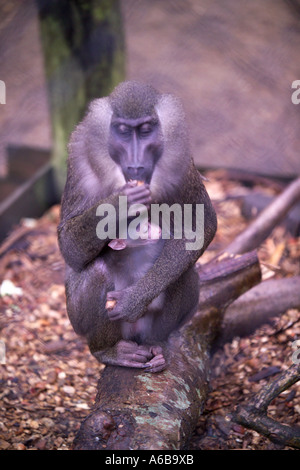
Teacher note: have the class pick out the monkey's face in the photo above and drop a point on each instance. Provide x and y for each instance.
(136, 145)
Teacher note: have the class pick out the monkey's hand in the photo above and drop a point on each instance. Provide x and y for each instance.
(137, 193)
(127, 307)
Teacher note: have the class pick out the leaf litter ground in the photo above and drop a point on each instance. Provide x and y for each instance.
(49, 379)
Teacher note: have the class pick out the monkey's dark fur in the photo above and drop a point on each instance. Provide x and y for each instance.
(140, 133)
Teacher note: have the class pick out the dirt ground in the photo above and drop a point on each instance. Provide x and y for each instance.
(48, 383)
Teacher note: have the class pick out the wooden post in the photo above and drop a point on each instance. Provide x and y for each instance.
(84, 59)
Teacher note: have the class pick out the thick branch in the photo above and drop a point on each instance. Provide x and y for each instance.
(263, 225)
(254, 414)
(138, 410)
(258, 306)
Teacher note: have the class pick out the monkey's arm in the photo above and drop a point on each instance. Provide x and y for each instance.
(175, 258)
(77, 235)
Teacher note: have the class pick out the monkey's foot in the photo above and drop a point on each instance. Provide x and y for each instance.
(130, 354)
(158, 362)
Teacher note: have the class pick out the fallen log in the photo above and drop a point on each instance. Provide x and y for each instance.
(258, 306)
(138, 410)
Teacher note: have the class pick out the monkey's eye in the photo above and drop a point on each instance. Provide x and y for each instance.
(123, 129)
(146, 129)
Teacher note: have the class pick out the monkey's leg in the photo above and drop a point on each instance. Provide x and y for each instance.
(86, 299)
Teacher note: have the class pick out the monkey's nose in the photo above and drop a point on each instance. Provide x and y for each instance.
(135, 172)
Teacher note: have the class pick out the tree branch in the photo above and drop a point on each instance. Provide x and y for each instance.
(254, 414)
(263, 225)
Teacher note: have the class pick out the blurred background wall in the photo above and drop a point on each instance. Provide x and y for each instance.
(24, 119)
(55, 57)
(232, 63)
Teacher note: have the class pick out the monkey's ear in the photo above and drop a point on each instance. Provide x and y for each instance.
(172, 117)
(95, 124)
(94, 172)
(99, 116)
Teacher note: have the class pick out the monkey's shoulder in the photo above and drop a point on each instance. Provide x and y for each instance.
(192, 188)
